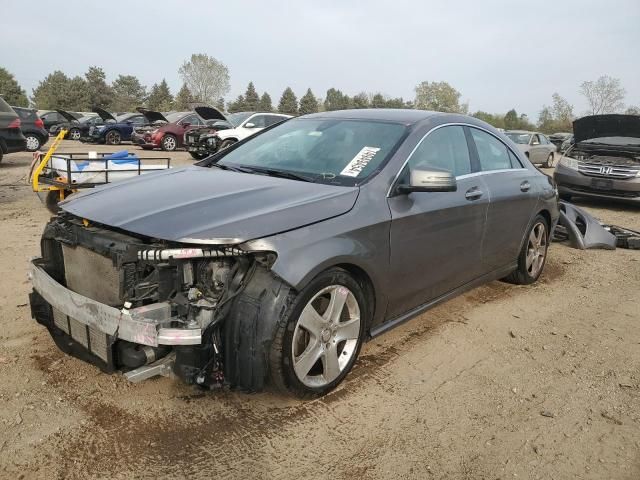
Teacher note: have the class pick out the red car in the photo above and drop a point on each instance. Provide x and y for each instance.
(168, 130)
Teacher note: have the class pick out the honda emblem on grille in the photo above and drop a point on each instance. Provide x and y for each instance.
(606, 170)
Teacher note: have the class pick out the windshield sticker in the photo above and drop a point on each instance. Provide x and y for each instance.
(359, 162)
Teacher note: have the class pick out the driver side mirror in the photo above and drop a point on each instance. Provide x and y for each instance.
(434, 180)
(249, 125)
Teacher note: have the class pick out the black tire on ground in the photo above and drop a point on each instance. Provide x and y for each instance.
(33, 142)
(523, 275)
(113, 138)
(74, 134)
(146, 147)
(198, 156)
(227, 143)
(549, 161)
(281, 369)
(169, 143)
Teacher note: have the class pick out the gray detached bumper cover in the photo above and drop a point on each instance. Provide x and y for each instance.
(131, 325)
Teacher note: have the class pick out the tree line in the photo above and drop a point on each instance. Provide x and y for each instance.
(206, 81)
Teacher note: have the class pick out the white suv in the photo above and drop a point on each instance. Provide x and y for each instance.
(246, 124)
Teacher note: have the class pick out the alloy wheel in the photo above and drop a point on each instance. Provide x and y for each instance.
(169, 143)
(536, 249)
(113, 138)
(75, 134)
(326, 336)
(32, 143)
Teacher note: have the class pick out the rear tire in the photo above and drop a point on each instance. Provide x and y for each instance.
(33, 142)
(113, 138)
(549, 162)
(169, 143)
(198, 156)
(533, 255)
(323, 326)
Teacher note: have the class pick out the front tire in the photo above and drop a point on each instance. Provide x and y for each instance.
(549, 162)
(169, 143)
(33, 142)
(113, 138)
(227, 143)
(318, 340)
(74, 134)
(198, 156)
(533, 255)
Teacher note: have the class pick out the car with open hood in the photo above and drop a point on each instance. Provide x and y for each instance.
(201, 142)
(535, 145)
(51, 118)
(116, 129)
(74, 125)
(604, 159)
(169, 135)
(272, 261)
(246, 124)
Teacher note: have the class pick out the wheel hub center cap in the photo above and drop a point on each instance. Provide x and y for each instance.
(326, 335)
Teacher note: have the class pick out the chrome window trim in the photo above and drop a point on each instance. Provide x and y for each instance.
(467, 175)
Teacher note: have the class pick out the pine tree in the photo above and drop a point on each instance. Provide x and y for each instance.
(128, 93)
(288, 102)
(100, 93)
(378, 101)
(183, 99)
(11, 91)
(360, 100)
(265, 103)
(237, 105)
(251, 98)
(59, 91)
(308, 103)
(160, 97)
(336, 100)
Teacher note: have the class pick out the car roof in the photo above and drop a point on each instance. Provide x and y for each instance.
(399, 115)
(520, 131)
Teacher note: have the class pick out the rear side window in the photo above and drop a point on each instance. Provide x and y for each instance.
(543, 139)
(492, 153)
(446, 149)
(271, 119)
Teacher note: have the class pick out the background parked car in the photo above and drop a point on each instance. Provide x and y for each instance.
(32, 128)
(54, 117)
(566, 144)
(11, 138)
(558, 138)
(73, 125)
(536, 146)
(604, 161)
(203, 141)
(246, 124)
(170, 135)
(116, 129)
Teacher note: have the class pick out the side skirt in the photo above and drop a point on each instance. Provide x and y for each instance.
(489, 277)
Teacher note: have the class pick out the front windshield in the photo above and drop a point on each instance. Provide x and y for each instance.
(174, 117)
(521, 138)
(237, 118)
(342, 152)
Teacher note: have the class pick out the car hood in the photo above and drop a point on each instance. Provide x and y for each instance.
(600, 126)
(152, 116)
(67, 116)
(210, 113)
(209, 205)
(104, 115)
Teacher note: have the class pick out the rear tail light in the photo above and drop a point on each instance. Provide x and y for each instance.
(15, 124)
(39, 123)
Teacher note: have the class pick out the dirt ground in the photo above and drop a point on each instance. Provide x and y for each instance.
(538, 382)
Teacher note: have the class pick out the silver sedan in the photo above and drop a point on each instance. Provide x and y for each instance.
(536, 146)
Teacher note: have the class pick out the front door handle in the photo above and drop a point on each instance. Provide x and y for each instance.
(473, 193)
(525, 186)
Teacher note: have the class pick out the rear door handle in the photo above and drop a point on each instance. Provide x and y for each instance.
(525, 186)
(473, 193)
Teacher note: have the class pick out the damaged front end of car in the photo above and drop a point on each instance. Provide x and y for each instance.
(143, 306)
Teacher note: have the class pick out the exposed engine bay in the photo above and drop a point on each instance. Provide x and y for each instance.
(173, 297)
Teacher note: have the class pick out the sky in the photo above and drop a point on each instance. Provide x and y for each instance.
(498, 54)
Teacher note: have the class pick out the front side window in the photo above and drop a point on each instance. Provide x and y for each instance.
(237, 118)
(443, 149)
(492, 153)
(191, 120)
(258, 121)
(335, 151)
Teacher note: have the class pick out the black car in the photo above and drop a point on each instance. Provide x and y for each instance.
(11, 138)
(32, 128)
(55, 118)
(72, 124)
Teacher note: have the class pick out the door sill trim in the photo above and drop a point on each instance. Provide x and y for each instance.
(414, 312)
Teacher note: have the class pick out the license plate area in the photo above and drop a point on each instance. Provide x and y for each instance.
(602, 184)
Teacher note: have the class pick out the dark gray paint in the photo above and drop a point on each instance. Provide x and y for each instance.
(417, 249)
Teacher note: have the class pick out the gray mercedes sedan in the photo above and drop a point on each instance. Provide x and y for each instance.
(272, 261)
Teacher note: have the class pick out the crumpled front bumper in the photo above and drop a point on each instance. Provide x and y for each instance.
(146, 325)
